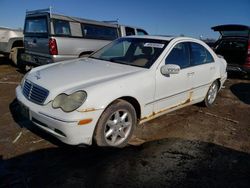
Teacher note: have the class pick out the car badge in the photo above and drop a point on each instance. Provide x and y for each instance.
(38, 76)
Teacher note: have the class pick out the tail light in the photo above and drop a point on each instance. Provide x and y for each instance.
(247, 63)
(53, 47)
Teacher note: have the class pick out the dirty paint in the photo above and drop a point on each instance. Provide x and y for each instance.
(88, 110)
(164, 111)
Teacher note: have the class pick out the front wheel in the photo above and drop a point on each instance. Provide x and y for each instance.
(116, 125)
(211, 94)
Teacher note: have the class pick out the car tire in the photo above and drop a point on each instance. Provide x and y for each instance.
(116, 125)
(15, 54)
(211, 94)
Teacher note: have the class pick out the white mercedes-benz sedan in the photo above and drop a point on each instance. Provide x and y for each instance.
(134, 79)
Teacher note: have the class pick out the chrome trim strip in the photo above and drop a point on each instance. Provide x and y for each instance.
(157, 100)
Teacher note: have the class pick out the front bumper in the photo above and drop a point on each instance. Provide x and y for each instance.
(63, 126)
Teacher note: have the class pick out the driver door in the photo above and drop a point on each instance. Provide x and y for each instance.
(174, 89)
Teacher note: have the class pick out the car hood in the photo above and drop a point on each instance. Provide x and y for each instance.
(84, 72)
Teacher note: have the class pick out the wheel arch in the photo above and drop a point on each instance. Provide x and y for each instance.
(85, 53)
(131, 100)
(134, 102)
(219, 82)
(17, 43)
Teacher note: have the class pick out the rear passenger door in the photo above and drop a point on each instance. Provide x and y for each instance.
(203, 70)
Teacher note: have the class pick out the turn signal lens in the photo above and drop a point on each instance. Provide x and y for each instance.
(84, 121)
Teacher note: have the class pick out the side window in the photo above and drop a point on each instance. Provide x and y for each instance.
(199, 54)
(210, 58)
(99, 32)
(129, 31)
(75, 29)
(179, 55)
(141, 32)
(61, 27)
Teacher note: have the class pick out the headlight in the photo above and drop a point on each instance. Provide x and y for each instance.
(23, 80)
(69, 103)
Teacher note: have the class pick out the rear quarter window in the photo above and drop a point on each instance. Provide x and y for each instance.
(62, 27)
(99, 32)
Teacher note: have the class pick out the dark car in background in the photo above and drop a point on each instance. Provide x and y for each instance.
(234, 46)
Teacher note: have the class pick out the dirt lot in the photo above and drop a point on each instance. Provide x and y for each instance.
(191, 147)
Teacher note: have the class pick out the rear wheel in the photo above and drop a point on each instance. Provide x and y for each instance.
(211, 94)
(116, 125)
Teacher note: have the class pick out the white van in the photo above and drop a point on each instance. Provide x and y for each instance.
(51, 37)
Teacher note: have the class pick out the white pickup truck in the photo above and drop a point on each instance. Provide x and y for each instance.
(11, 43)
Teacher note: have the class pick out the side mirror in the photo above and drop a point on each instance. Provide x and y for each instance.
(84, 32)
(170, 69)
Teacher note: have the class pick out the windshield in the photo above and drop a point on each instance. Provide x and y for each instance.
(37, 25)
(132, 51)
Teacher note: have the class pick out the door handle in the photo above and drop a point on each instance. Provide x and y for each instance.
(212, 68)
(190, 74)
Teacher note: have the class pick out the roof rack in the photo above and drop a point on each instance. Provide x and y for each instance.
(111, 21)
(49, 10)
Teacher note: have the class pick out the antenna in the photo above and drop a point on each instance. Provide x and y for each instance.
(50, 11)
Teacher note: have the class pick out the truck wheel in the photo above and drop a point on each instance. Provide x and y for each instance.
(116, 125)
(15, 54)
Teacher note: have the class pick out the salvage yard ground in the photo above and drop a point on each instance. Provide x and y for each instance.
(191, 147)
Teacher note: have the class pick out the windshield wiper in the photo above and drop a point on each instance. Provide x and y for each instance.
(98, 58)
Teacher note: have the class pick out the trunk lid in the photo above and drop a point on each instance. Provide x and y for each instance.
(232, 30)
(233, 43)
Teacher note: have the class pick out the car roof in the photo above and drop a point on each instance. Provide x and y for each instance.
(161, 37)
(151, 37)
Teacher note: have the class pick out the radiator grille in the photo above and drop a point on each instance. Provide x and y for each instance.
(35, 93)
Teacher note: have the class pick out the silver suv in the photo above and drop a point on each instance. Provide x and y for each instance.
(51, 37)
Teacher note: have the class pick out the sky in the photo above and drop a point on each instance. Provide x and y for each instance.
(192, 18)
